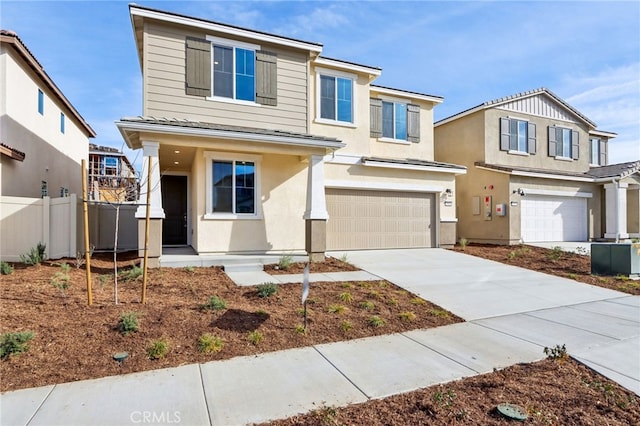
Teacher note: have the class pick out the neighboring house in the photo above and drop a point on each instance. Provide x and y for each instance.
(537, 171)
(259, 144)
(112, 177)
(43, 137)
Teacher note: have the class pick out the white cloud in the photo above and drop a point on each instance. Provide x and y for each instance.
(319, 20)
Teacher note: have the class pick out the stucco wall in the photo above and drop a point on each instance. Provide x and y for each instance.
(461, 141)
(51, 155)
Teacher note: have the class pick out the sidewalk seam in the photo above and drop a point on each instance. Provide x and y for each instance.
(204, 394)
(440, 353)
(41, 404)
(341, 373)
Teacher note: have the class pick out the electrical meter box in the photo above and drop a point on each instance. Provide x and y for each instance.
(501, 209)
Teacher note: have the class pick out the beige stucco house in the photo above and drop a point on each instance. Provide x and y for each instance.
(537, 171)
(43, 138)
(259, 144)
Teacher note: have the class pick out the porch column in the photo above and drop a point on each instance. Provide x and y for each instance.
(316, 213)
(616, 210)
(150, 150)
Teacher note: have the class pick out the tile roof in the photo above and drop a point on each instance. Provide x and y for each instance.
(413, 162)
(11, 152)
(620, 170)
(179, 122)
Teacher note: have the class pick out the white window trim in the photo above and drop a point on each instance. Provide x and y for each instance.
(210, 156)
(598, 141)
(517, 151)
(395, 101)
(217, 41)
(561, 158)
(514, 152)
(341, 74)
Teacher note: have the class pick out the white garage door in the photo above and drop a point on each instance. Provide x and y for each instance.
(546, 218)
(361, 219)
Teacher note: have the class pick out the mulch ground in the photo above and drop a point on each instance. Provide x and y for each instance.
(74, 341)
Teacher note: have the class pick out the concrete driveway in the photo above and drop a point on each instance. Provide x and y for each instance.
(599, 327)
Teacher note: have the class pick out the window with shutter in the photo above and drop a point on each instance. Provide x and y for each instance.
(564, 143)
(517, 136)
(603, 152)
(400, 121)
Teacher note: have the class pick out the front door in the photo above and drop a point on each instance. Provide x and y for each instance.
(174, 203)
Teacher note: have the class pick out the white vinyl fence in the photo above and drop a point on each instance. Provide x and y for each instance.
(58, 223)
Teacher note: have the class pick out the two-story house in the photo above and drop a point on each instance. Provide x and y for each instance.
(111, 175)
(256, 143)
(43, 137)
(537, 171)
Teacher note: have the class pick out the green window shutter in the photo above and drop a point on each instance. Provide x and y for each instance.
(197, 67)
(603, 152)
(413, 123)
(531, 135)
(575, 145)
(552, 142)
(504, 134)
(266, 78)
(375, 115)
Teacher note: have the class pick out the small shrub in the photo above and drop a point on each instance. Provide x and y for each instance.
(285, 262)
(299, 329)
(554, 254)
(439, 313)
(367, 304)
(300, 311)
(622, 277)
(6, 268)
(345, 297)
(344, 258)
(375, 294)
(128, 323)
(208, 343)
(61, 279)
(407, 316)
(254, 337)
(262, 312)
(557, 352)
(418, 301)
(267, 290)
(383, 284)
(336, 309)
(392, 301)
(346, 285)
(14, 343)
(582, 251)
(131, 274)
(572, 276)
(215, 304)
(511, 255)
(189, 269)
(463, 243)
(376, 321)
(346, 326)
(102, 280)
(158, 349)
(35, 256)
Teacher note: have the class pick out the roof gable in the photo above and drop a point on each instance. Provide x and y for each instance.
(541, 102)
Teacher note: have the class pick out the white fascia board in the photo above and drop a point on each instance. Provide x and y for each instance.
(334, 158)
(382, 186)
(229, 135)
(415, 167)
(578, 194)
(347, 66)
(602, 133)
(539, 175)
(236, 32)
(405, 95)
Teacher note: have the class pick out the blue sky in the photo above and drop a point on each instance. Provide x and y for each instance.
(588, 53)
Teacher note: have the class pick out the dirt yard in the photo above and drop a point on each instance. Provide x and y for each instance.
(74, 342)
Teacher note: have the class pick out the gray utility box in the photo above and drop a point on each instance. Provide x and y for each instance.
(615, 259)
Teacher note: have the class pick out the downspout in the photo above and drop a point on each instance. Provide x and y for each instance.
(617, 189)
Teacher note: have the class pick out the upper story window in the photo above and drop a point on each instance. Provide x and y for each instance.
(234, 73)
(394, 120)
(517, 136)
(336, 98)
(563, 143)
(110, 166)
(598, 152)
(220, 69)
(40, 102)
(62, 123)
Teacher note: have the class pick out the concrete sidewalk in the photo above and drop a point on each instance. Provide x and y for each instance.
(512, 324)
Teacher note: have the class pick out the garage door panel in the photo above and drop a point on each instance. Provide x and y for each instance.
(547, 218)
(361, 219)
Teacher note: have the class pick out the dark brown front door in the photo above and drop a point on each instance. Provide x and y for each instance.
(174, 203)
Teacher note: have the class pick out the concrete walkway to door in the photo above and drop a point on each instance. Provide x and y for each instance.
(599, 327)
